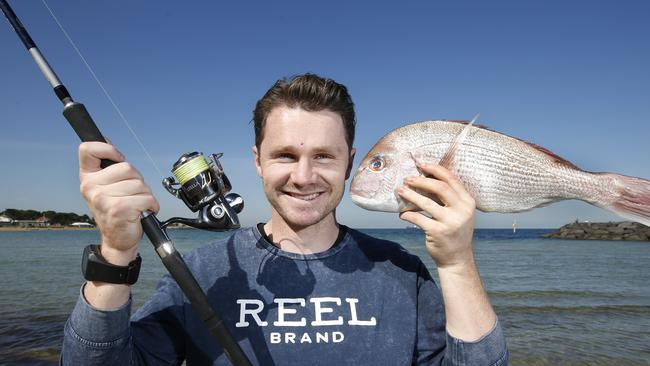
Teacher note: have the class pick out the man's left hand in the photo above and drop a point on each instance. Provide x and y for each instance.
(449, 228)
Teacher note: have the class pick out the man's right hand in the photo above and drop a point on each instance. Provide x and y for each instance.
(116, 196)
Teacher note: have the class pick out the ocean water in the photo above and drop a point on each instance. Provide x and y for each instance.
(560, 302)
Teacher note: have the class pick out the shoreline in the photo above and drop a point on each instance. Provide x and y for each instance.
(46, 228)
(69, 228)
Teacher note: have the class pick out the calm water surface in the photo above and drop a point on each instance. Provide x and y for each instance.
(560, 302)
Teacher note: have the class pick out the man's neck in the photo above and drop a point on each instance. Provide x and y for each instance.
(306, 240)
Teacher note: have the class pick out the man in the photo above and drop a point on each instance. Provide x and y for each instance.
(300, 288)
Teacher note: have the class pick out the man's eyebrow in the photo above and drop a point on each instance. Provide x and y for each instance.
(281, 148)
(294, 147)
(329, 149)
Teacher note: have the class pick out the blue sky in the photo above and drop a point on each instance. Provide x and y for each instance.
(570, 76)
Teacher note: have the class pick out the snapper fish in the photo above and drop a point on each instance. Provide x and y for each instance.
(502, 173)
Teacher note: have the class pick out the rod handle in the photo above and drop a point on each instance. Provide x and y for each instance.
(82, 123)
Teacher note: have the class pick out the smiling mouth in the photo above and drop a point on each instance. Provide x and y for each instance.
(304, 197)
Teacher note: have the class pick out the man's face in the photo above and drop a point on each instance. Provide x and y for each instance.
(303, 161)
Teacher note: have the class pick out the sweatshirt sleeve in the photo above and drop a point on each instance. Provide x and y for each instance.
(437, 347)
(489, 350)
(97, 337)
(154, 335)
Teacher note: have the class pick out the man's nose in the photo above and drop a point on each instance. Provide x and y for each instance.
(303, 172)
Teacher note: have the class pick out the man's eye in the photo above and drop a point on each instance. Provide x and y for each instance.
(323, 156)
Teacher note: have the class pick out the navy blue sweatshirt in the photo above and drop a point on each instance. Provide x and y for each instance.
(364, 301)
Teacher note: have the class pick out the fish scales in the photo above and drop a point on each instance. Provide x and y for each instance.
(502, 173)
(500, 165)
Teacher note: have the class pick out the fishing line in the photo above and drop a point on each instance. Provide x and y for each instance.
(205, 190)
(117, 109)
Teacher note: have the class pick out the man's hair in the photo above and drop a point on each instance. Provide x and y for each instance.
(311, 93)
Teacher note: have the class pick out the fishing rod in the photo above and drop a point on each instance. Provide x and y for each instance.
(199, 182)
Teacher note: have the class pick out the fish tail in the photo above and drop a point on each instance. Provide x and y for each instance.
(629, 197)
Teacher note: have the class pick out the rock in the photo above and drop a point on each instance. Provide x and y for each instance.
(616, 230)
(625, 230)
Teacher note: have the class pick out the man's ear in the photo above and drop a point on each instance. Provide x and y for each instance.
(258, 167)
(347, 173)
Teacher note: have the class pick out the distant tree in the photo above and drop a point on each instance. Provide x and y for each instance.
(22, 214)
(62, 218)
(49, 214)
(56, 218)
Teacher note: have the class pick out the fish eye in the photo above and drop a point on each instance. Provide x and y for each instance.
(376, 164)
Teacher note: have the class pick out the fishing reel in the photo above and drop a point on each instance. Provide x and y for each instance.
(203, 186)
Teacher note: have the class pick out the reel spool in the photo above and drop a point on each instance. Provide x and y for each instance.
(203, 186)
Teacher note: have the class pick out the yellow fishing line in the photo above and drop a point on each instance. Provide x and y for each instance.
(191, 169)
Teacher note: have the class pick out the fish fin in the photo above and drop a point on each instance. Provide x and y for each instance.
(417, 164)
(407, 206)
(631, 198)
(447, 160)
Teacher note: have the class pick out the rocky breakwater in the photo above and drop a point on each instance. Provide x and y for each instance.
(602, 231)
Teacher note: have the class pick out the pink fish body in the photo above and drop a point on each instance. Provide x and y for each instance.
(502, 173)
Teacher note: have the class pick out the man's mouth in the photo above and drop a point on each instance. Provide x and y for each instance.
(304, 196)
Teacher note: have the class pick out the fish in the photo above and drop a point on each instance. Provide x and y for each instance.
(502, 173)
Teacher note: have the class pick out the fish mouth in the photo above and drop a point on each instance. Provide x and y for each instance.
(370, 204)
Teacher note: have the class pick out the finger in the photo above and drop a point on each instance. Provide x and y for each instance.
(441, 173)
(423, 203)
(420, 220)
(112, 174)
(91, 153)
(140, 203)
(130, 187)
(437, 188)
(147, 202)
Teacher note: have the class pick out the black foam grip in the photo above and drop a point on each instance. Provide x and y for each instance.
(82, 123)
(153, 230)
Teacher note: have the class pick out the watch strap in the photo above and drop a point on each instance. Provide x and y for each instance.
(95, 268)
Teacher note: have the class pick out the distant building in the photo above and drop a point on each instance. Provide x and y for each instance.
(39, 222)
(81, 224)
(6, 221)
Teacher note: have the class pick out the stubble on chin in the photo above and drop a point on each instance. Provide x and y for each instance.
(301, 218)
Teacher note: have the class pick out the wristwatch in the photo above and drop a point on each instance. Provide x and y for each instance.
(95, 268)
